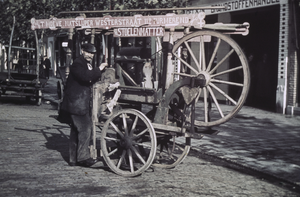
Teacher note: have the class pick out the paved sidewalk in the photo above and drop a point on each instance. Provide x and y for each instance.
(265, 141)
(258, 139)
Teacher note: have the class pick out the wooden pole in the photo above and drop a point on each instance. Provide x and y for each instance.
(9, 48)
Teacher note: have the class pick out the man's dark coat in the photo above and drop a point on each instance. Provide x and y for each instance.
(78, 91)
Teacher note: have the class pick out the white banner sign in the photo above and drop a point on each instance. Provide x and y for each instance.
(139, 32)
(236, 5)
(109, 22)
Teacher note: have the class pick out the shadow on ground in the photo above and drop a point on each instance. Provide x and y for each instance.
(57, 141)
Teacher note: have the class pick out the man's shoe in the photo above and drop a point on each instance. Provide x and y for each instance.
(73, 164)
(87, 163)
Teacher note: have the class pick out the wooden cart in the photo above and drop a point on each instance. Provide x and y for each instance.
(144, 112)
(22, 75)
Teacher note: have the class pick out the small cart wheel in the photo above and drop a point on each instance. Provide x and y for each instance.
(172, 148)
(219, 74)
(128, 142)
(171, 151)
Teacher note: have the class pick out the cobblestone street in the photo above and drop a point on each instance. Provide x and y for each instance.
(34, 154)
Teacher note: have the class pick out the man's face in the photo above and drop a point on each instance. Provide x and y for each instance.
(88, 56)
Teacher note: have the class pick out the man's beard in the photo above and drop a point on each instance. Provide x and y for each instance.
(89, 59)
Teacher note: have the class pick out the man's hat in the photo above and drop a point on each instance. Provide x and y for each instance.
(88, 48)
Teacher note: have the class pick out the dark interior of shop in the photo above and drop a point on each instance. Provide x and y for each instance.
(261, 47)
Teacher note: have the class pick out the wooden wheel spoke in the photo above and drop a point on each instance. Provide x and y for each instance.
(125, 123)
(187, 64)
(205, 105)
(198, 96)
(226, 56)
(192, 54)
(223, 93)
(227, 82)
(202, 55)
(138, 154)
(176, 146)
(134, 123)
(227, 71)
(112, 139)
(140, 134)
(213, 55)
(116, 129)
(112, 152)
(142, 144)
(215, 101)
(194, 104)
(121, 159)
(185, 75)
(130, 160)
(166, 147)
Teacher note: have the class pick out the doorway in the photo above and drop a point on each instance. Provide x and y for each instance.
(261, 48)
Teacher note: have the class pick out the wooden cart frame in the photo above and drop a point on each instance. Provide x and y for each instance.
(19, 83)
(203, 83)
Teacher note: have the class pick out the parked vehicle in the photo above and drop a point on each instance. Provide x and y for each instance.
(176, 86)
(22, 75)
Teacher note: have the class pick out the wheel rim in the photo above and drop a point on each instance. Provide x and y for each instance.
(171, 151)
(128, 142)
(220, 76)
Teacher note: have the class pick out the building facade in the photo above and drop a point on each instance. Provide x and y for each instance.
(272, 48)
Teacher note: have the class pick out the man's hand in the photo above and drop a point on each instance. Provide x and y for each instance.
(111, 87)
(102, 66)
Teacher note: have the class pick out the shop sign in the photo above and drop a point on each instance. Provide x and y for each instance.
(139, 32)
(235, 5)
(109, 22)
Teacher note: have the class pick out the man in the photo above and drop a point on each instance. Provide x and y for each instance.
(77, 102)
(47, 64)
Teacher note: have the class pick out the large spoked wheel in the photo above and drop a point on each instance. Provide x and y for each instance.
(220, 77)
(128, 142)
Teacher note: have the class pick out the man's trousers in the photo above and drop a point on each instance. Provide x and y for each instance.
(81, 131)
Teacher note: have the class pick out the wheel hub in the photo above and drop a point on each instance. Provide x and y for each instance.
(202, 80)
(127, 142)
